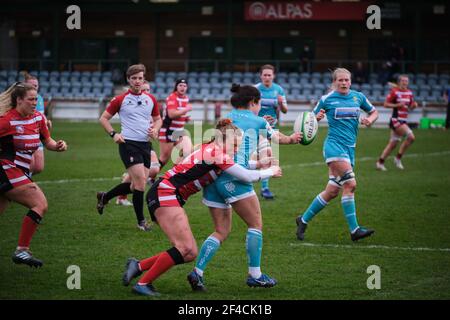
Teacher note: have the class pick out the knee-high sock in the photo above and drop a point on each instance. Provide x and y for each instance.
(265, 183)
(138, 205)
(164, 261)
(29, 226)
(254, 243)
(123, 188)
(207, 252)
(348, 204)
(314, 208)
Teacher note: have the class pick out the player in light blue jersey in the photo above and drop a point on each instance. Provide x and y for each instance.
(272, 100)
(37, 161)
(342, 107)
(228, 192)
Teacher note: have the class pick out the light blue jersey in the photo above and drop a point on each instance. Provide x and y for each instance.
(343, 119)
(343, 115)
(228, 189)
(40, 104)
(269, 100)
(252, 126)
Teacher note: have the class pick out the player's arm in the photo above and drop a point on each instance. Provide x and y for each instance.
(282, 102)
(249, 176)
(153, 131)
(319, 110)
(281, 138)
(104, 121)
(174, 113)
(371, 110)
(390, 101)
(52, 145)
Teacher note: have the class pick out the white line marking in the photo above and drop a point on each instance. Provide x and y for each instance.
(381, 247)
(310, 164)
(77, 180)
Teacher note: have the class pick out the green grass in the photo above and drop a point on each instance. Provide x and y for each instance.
(408, 209)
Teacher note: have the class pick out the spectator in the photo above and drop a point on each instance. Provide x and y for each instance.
(217, 110)
(360, 73)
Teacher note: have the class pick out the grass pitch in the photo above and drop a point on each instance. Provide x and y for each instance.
(409, 210)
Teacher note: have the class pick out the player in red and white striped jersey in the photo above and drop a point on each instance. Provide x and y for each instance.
(167, 196)
(176, 115)
(140, 120)
(22, 129)
(401, 100)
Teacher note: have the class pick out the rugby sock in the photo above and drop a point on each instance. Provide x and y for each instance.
(265, 184)
(207, 252)
(314, 208)
(164, 262)
(399, 156)
(29, 226)
(120, 189)
(146, 264)
(381, 160)
(254, 242)
(348, 204)
(138, 205)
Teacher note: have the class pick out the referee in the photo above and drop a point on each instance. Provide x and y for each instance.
(136, 109)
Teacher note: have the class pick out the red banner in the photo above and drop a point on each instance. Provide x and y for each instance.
(301, 10)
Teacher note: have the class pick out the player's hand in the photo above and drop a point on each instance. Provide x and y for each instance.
(413, 105)
(188, 108)
(366, 121)
(320, 115)
(400, 105)
(267, 162)
(276, 171)
(61, 146)
(281, 104)
(152, 133)
(271, 120)
(296, 137)
(118, 138)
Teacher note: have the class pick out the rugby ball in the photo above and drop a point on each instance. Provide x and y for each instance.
(306, 123)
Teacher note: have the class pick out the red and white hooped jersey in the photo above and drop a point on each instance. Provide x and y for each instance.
(21, 136)
(174, 102)
(136, 112)
(400, 96)
(197, 170)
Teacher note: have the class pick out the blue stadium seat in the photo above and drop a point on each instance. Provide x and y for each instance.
(107, 74)
(3, 74)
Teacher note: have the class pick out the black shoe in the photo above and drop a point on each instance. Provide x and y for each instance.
(301, 228)
(196, 281)
(25, 257)
(361, 233)
(100, 203)
(131, 271)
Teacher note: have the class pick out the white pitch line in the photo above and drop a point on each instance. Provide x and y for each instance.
(310, 164)
(76, 180)
(362, 159)
(381, 247)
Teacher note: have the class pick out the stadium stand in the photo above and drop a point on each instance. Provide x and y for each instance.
(65, 85)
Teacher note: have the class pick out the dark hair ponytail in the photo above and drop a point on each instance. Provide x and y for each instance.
(243, 95)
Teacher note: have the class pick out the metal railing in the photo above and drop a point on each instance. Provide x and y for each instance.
(220, 65)
(319, 65)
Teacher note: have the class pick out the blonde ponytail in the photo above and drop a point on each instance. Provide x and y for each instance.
(5, 100)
